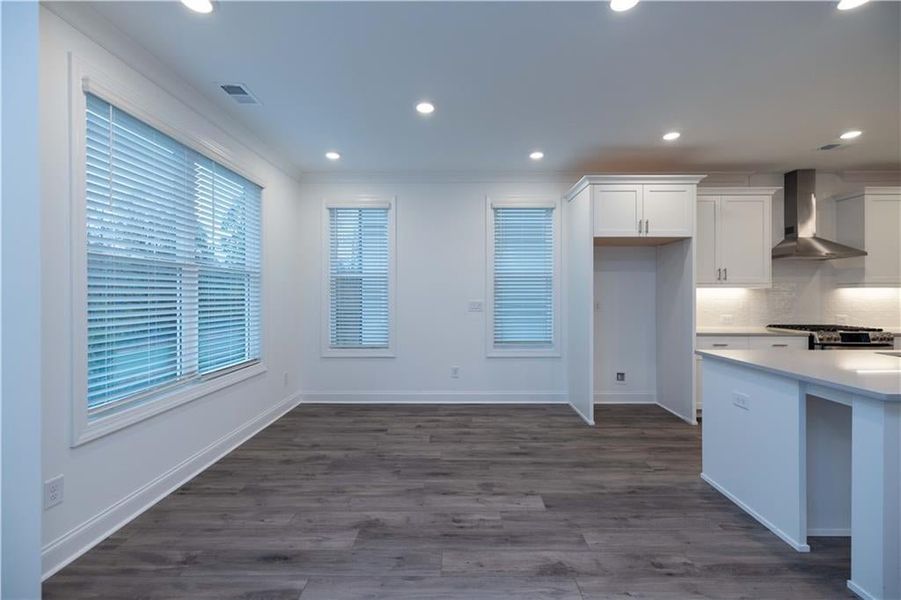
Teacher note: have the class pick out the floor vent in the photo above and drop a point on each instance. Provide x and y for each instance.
(239, 93)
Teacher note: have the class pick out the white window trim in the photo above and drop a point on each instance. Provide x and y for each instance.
(491, 351)
(83, 77)
(360, 202)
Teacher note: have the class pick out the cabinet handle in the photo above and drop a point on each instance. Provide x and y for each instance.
(780, 345)
(647, 225)
(721, 345)
(725, 274)
(639, 226)
(719, 274)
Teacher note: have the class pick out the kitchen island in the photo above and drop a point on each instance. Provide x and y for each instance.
(809, 443)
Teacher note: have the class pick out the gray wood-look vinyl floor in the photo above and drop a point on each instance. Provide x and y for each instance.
(455, 502)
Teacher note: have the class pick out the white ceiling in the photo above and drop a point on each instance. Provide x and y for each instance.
(753, 86)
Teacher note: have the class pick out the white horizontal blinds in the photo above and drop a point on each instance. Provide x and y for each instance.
(144, 200)
(523, 277)
(228, 208)
(358, 277)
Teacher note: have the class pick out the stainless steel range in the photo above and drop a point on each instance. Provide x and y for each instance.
(840, 337)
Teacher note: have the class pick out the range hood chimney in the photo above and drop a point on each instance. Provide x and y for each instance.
(801, 241)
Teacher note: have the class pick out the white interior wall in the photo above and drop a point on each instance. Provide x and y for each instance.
(803, 291)
(625, 323)
(110, 479)
(441, 266)
(20, 407)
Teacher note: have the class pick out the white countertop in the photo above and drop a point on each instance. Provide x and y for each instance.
(745, 330)
(865, 372)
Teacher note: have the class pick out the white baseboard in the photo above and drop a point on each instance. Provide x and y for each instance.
(692, 421)
(800, 547)
(828, 532)
(588, 420)
(624, 398)
(72, 544)
(433, 397)
(860, 591)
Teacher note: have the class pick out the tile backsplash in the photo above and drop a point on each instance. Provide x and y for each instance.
(802, 292)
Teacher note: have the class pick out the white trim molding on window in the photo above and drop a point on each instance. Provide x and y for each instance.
(358, 277)
(523, 283)
(166, 262)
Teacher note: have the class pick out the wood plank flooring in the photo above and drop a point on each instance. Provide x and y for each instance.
(455, 502)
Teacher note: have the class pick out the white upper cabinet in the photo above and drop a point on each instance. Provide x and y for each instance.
(617, 210)
(648, 206)
(734, 239)
(870, 219)
(667, 210)
(706, 240)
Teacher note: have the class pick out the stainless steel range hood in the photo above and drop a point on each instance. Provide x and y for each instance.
(801, 241)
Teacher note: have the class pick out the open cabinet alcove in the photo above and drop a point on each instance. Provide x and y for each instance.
(630, 289)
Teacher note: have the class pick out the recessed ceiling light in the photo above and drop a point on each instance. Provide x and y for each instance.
(671, 135)
(622, 5)
(849, 4)
(850, 135)
(199, 6)
(332, 155)
(537, 155)
(425, 108)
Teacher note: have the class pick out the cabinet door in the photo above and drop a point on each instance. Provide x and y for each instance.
(883, 243)
(668, 210)
(744, 240)
(617, 209)
(705, 241)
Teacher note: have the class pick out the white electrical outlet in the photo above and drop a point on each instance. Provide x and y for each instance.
(53, 492)
(455, 372)
(742, 401)
(841, 319)
(475, 306)
(726, 319)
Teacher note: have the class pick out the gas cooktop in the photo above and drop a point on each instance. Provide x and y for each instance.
(821, 327)
(824, 337)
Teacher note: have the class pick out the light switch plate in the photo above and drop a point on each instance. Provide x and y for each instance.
(475, 306)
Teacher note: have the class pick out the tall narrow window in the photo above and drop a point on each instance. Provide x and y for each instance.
(523, 276)
(173, 262)
(359, 277)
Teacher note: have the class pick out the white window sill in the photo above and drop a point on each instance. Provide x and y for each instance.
(358, 353)
(92, 428)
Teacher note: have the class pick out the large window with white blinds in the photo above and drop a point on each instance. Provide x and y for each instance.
(359, 272)
(523, 276)
(173, 262)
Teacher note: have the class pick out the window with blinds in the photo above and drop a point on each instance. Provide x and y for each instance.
(523, 277)
(358, 277)
(173, 262)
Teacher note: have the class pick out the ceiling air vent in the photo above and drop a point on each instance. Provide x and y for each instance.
(829, 147)
(239, 93)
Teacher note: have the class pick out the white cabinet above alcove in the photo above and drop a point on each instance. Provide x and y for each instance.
(641, 209)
